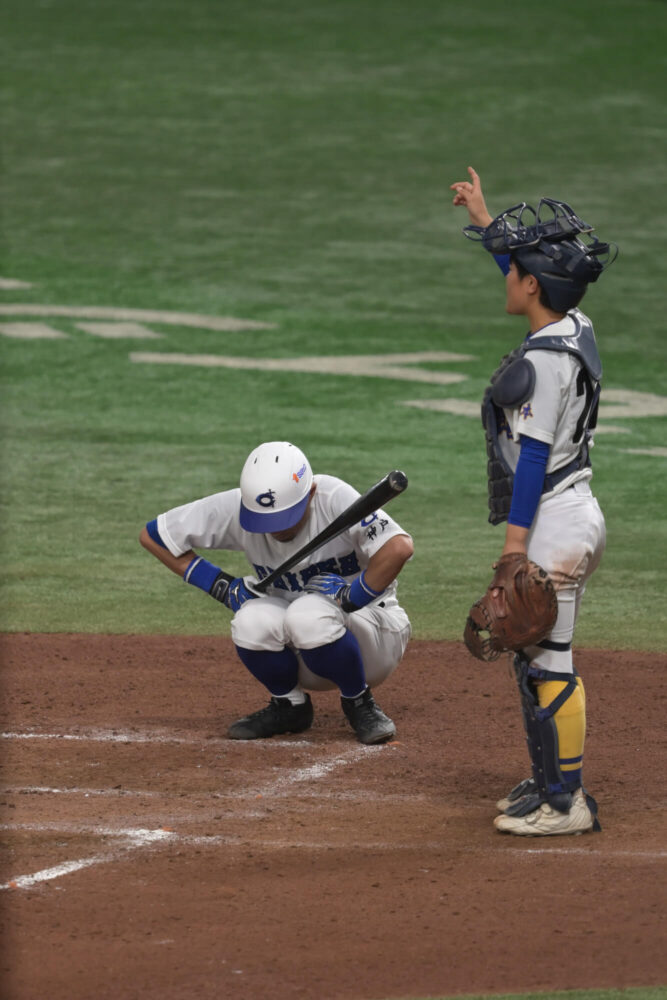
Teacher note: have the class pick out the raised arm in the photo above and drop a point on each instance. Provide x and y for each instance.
(469, 193)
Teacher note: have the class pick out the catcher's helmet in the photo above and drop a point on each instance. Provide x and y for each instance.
(275, 486)
(548, 244)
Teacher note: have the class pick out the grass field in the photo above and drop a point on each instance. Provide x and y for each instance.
(632, 994)
(288, 164)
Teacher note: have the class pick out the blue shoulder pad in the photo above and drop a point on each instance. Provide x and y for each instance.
(515, 385)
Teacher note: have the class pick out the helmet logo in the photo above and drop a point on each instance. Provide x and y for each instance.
(267, 499)
(296, 476)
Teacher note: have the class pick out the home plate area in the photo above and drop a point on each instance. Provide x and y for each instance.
(147, 855)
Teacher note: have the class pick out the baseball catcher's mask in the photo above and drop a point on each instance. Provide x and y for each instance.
(552, 243)
(275, 487)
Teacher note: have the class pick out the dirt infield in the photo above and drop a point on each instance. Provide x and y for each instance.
(145, 855)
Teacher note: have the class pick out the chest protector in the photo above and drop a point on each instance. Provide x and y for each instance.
(512, 384)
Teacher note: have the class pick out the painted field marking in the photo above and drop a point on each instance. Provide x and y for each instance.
(31, 331)
(131, 839)
(564, 850)
(317, 771)
(120, 331)
(459, 407)
(223, 324)
(628, 403)
(85, 792)
(136, 839)
(651, 452)
(12, 284)
(391, 366)
(275, 793)
(156, 736)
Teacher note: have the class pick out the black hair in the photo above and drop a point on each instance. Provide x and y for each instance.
(544, 297)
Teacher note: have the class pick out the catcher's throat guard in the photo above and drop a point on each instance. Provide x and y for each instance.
(519, 609)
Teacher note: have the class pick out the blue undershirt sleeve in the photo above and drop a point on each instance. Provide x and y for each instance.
(528, 481)
(503, 262)
(151, 528)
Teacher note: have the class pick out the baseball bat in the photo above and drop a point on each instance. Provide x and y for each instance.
(389, 487)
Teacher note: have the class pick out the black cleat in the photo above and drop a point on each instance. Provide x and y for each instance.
(368, 721)
(279, 716)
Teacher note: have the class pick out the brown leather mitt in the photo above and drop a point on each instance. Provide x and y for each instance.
(518, 609)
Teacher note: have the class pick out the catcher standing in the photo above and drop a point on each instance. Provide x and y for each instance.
(539, 413)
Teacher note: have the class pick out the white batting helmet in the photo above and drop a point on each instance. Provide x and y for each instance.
(275, 486)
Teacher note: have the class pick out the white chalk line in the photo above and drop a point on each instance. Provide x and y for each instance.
(132, 839)
(135, 839)
(157, 736)
(587, 852)
(85, 792)
(368, 795)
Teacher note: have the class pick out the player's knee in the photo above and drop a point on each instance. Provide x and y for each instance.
(259, 625)
(313, 621)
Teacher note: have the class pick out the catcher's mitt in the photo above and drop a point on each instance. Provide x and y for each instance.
(518, 609)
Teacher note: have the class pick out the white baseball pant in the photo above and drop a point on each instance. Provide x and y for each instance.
(313, 620)
(567, 539)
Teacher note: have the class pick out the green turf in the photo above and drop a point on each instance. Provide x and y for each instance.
(636, 993)
(289, 163)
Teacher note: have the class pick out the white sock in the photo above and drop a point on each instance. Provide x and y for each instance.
(296, 696)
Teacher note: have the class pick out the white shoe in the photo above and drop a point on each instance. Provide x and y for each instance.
(545, 821)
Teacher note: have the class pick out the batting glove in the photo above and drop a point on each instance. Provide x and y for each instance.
(348, 596)
(238, 592)
(233, 592)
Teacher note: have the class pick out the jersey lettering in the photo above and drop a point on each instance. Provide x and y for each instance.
(308, 572)
(347, 565)
(328, 566)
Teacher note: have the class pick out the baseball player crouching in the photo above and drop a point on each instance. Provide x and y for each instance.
(539, 414)
(333, 621)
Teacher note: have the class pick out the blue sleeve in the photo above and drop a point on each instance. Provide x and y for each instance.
(151, 528)
(503, 262)
(528, 481)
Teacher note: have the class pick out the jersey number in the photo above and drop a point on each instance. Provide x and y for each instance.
(589, 414)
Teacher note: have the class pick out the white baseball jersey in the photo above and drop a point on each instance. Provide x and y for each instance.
(553, 411)
(213, 523)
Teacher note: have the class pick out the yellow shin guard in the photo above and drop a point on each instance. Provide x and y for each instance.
(570, 722)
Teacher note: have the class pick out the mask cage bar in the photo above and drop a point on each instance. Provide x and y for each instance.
(521, 226)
